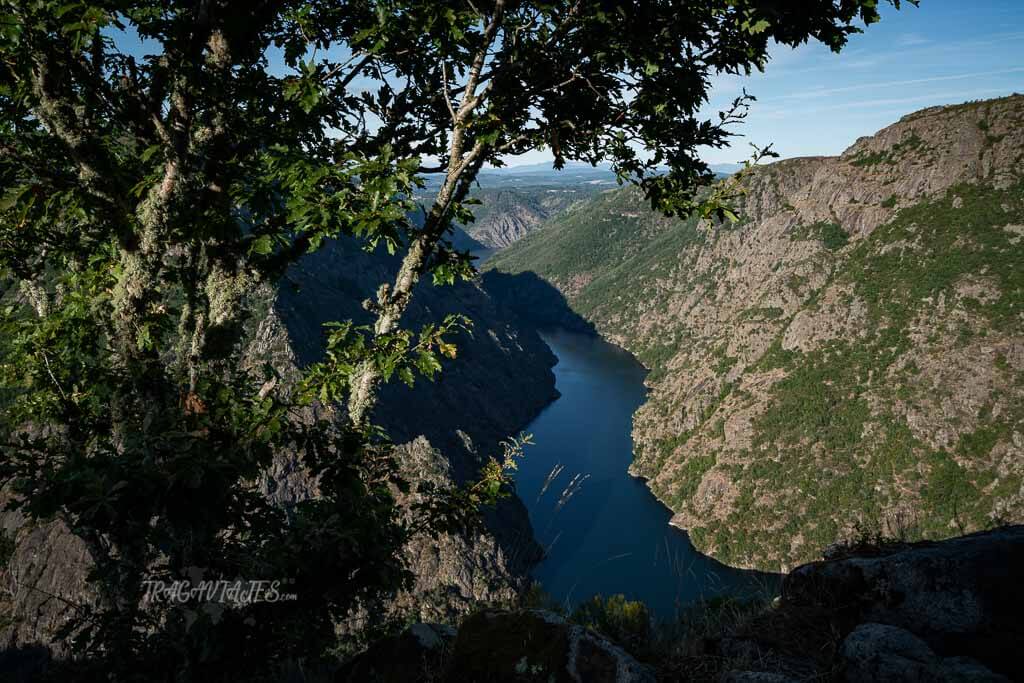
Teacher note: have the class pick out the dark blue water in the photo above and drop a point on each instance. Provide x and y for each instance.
(608, 534)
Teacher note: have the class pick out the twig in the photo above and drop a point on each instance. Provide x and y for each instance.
(46, 361)
(447, 93)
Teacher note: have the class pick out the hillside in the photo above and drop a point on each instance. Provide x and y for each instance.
(850, 354)
(445, 430)
(505, 215)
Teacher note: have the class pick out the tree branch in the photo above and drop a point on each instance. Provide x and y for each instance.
(462, 170)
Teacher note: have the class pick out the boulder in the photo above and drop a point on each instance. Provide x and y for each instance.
(416, 655)
(961, 597)
(887, 654)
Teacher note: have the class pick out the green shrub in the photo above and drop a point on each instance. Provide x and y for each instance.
(628, 622)
(833, 236)
(870, 158)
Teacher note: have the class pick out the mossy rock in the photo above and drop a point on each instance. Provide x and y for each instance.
(416, 654)
(536, 645)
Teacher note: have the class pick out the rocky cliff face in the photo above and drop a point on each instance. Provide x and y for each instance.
(850, 353)
(445, 429)
(499, 382)
(505, 216)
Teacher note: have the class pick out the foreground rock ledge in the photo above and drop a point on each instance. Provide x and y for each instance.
(926, 612)
(961, 597)
(498, 646)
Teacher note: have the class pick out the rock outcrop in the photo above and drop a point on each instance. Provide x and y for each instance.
(893, 612)
(849, 355)
(927, 611)
(887, 654)
(495, 646)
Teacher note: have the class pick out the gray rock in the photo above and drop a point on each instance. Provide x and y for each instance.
(877, 652)
(961, 597)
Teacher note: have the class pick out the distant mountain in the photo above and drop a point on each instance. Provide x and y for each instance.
(514, 201)
(725, 169)
(517, 200)
(544, 174)
(579, 170)
(848, 357)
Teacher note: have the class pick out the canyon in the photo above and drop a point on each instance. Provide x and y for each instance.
(844, 363)
(847, 357)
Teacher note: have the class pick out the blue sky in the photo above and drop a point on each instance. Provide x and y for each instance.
(811, 101)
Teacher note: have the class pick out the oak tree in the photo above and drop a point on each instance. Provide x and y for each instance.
(161, 160)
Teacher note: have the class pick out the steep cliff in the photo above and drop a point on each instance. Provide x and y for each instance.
(445, 431)
(448, 428)
(850, 353)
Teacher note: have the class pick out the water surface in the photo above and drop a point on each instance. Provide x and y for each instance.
(604, 530)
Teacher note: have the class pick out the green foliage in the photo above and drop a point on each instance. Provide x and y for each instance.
(871, 158)
(724, 361)
(814, 404)
(762, 314)
(688, 477)
(819, 403)
(494, 482)
(624, 621)
(956, 241)
(889, 156)
(831, 235)
(393, 354)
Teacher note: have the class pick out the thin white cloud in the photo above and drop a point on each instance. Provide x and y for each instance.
(912, 39)
(821, 92)
(932, 99)
(850, 57)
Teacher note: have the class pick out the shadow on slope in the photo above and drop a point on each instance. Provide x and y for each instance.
(534, 301)
(500, 381)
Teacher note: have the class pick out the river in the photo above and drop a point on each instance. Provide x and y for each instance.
(603, 529)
